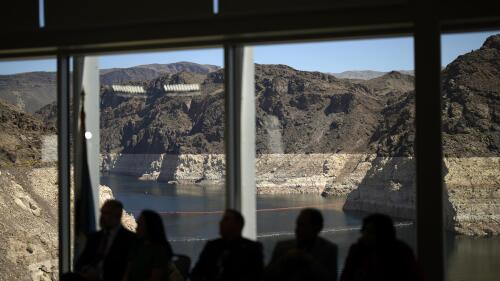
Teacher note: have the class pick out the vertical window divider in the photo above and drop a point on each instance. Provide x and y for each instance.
(64, 169)
(230, 127)
(86, 151)
(429, 154)
(240, 134)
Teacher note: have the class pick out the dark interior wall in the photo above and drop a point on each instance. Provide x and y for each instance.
(70, 14)
(86, 26)
(19, 15)
(238, 7)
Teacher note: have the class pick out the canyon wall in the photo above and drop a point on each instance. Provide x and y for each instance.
(29, 225)
(473, 191)
(370, 183)
(276, 173)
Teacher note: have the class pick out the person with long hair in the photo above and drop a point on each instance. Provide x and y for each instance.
(149, 260)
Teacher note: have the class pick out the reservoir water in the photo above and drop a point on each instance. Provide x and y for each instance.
(191, 214)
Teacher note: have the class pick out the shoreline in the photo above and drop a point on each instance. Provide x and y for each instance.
(368, 182)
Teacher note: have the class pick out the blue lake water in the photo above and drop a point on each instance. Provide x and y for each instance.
(191, 214)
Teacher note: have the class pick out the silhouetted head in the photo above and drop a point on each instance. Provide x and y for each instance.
(308, 226)
(231, 224)
(150, 228)
(111, 214)
(378, 229)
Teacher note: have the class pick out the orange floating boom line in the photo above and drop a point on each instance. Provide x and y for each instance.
(259, 210)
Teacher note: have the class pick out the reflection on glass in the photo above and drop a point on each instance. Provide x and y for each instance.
(28, 170)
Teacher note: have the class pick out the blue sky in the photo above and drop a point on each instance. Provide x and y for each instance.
(331, 56)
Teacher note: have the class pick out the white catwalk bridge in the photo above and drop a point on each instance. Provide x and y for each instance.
(181, 90)
(128, 89)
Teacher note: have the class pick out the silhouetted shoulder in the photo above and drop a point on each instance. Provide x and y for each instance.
(281, 248)
(127, 233)
(402, 246)
(215, 243)
(251, 243)
(125, 238)
(286, 244)
(404, 253)
(219, 242)
(328, 245)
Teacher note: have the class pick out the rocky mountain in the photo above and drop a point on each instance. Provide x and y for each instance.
(151, 71)
(297, 111)
(28, 91)
(470, 92)
(22, 137)
(366, 74)
(33, 90)
(313, 112)
(310, 112)
(164, 124)
(471, 102)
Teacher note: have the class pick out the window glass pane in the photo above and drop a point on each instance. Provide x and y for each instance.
(28, 170)
(162, 140)
(471, 142)
(335, 131)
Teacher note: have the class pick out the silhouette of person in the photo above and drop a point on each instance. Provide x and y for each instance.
(378, 255)
(231, 257)
(105, 254)
(308, 256)
(150, 257)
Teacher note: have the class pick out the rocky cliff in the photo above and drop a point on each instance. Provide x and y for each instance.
(28, 230)
(297, 112)
(370, 183)
(335, 174)
(471, 140)
(28, 197)
(24, 139)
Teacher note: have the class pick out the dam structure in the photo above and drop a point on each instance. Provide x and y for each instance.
(129, 90)
(182, 90)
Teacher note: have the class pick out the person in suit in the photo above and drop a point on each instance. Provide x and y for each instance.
(378, 255)
(149, 259)
(106, 251)
(308, 256)
(231, 257)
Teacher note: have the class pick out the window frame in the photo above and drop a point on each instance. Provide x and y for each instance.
(425, 23)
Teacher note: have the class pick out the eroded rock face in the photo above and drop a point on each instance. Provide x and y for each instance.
(388, 187)
(473, 189)
(370, 183)
(183, 169)
(472, 199)
(28, 229)
(334, 174)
